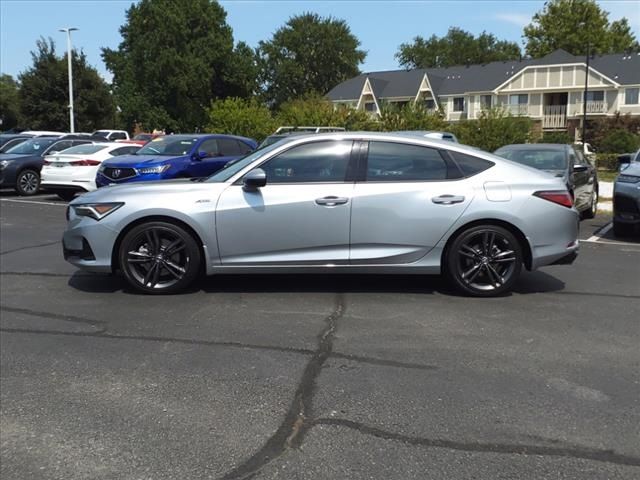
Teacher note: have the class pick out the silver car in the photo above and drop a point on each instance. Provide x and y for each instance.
(337, 202)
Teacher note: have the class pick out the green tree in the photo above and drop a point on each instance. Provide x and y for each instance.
(620, 141)
(238, 116)
(457, 47)
(174, 60)
(571, 25)
(315, 110)
(410, 117)
(310, 54)
(494, 129)
(44, 92)
(9, 103)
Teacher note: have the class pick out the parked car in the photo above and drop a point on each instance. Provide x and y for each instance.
(626, 197)
(111, 135)
(565, 162)
(43, 133)
(348, 202)
(20, 166)
(73, 170)
(8, 141)
(140, 139)
(175, 156)
(285, 132)
(446, 136)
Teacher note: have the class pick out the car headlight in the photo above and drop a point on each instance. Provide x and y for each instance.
(158, 169)
(627, 179)
(4, 163)
(95, 210)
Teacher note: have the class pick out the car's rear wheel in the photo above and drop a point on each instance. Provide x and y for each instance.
(591, 211)
(159, 258)
(28, 182)
(484, 260)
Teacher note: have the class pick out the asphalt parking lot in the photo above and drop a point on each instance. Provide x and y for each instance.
(315, 377)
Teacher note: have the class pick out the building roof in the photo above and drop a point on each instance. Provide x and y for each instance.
(622, 68)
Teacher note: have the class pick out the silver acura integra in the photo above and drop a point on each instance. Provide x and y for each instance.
(338, 202)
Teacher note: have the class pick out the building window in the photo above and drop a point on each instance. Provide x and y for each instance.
(485, 101)
(458, 104)
(370, 107)
(631, 96)
(430, 104)
(520, 99)
(595, 95)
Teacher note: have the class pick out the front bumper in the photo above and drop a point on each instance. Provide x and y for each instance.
(626, 204)
(88, 244)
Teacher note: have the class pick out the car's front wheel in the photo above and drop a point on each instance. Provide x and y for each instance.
(28, 182)
(484, 260)
(622, 229)
(159, 257)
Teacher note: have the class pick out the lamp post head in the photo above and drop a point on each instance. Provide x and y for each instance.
(68, 29)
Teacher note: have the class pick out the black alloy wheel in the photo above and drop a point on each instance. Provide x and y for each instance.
(66, 195)
(159, 258)
(592, 209)
(28, 182)
(484, 261)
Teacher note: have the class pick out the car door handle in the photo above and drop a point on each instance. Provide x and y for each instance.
(331, 201)
(448, 199)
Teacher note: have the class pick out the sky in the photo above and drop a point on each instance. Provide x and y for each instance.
(381, 26)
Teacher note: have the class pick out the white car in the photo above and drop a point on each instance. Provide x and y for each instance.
(111, 135)
(74, 170)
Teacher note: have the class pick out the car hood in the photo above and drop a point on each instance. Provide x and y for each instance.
(632, 169)
(135, 160)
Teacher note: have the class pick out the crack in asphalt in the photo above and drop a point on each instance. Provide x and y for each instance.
(102, 333)
(572, 451)
(291, 432)
(13, 250)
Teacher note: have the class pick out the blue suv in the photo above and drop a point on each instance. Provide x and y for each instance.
(175, 156)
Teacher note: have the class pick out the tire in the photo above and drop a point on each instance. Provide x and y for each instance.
(27, 182)
(147, 264)
(484, 261)
(66, 195)
(591, 211)
(622, 229)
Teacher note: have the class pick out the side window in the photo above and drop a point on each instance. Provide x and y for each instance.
(396, 162)
(118, 136)
(244, 148)
(470, 165)
(324, 161)
(210, 147)
(123, 151)
(79, 142)
(228, 147)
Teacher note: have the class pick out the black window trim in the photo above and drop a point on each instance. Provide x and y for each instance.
(459, 169)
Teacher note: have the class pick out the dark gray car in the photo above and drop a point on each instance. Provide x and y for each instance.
(626, 198)
(563, 161)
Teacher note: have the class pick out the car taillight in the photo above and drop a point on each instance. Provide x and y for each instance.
(46, 162)
(561, 197)
(84, 163)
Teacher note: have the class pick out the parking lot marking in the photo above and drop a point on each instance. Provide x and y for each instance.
(598, 234)
(14, 200)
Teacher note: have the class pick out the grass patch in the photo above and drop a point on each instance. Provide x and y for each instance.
(607, 175)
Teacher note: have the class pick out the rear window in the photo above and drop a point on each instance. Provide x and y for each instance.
(85, 149)
(470, 165)
(542, 159)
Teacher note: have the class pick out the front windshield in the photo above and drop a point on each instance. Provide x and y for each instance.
(170, 145)
(32, 147)
(100, 133)
(540, 159)
(234, 166)
(86, 149)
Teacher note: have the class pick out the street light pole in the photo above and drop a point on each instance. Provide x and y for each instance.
(68, 31)
(584, 102)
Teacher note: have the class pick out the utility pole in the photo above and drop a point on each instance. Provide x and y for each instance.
(584, 102)
(68, 31)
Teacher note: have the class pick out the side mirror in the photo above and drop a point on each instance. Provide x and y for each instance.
(254, 179)
(624, 161)
(580, 168)
(201, 155)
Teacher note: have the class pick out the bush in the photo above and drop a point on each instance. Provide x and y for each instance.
(600, 128)
(555, 137)
(607, 161)
(410, 117)
(619, 141)
(494, 129)
(238, 116)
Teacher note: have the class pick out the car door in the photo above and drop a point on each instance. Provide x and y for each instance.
(58, 147)
(207, 159)
(405, 204)
(582, 178)
(301, 216)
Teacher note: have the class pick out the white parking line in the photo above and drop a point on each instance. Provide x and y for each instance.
(14, 200)
(600, 233)
(597, 238)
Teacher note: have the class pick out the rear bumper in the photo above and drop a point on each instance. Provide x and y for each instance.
(567, 259)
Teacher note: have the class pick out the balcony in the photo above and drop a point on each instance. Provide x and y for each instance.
(593, 106)
(554, 117)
